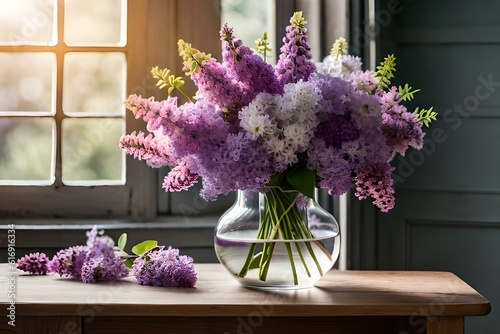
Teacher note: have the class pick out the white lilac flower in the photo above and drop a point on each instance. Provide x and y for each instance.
(340, 66)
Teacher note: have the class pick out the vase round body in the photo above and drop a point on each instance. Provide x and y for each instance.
(277, 240)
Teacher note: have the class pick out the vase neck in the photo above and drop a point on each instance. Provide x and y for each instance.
(247, 198)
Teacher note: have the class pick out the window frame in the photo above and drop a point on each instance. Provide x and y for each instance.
(161, 21)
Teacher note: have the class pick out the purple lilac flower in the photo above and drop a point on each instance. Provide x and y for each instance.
(99, 244)
(215, 85)
(336, 94)
(103, 268)
(96, 261)
(247, 68)
(240, 163)
(69, 261)
(333, 170)
(294, 63)
(337, 130)
(34, 263)
(165, 267)
(401, 129)
(302, 201)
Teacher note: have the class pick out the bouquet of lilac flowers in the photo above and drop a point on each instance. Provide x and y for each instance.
(281, 131)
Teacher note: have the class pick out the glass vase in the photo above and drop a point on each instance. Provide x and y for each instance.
(277, 240)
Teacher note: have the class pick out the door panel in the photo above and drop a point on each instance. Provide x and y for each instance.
(447, 214)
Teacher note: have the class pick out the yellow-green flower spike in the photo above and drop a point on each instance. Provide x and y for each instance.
(165, 79)
(263, 46)
(298, 20)
(339, 47)
(193, 58)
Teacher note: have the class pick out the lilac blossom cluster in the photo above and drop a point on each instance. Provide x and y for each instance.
(164, 267)
(251, 122)
(34, 263)
(95, 261)
(100, 260)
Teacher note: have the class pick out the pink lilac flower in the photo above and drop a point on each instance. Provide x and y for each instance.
(165, 267)
(389, 99)
(364, 81)
(34, 263)
(376, 182)
(179, 178)
(151, 111)
(153, 150)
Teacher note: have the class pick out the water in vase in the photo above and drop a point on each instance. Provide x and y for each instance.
(312, 258)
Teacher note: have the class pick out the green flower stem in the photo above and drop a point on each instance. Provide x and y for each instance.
(280, 219)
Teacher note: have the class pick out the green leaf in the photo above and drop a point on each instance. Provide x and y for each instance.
(426, 116)
(144, 246)
(406, 92)
(128, 263)
(385, 71)
(122, 242)
(302, 179)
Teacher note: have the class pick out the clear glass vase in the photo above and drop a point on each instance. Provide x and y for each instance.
(268, 241)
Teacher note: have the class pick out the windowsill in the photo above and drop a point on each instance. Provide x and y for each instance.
(185, 233)
(162, 222)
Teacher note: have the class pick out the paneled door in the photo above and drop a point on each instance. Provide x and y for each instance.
(447, 214)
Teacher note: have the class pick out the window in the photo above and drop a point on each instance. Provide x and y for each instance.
(66, 67)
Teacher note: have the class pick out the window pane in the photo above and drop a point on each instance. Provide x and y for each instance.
(94, 83)
(95, 22)
(90, 152)
(27, 22)
(27, 82)
(250, 19)
(27, 151)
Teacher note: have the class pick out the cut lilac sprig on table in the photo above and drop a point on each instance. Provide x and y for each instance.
(156, 266)
(34, 263)
(164, 267)
(96, 261)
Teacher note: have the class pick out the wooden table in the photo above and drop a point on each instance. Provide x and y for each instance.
(342, 302)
